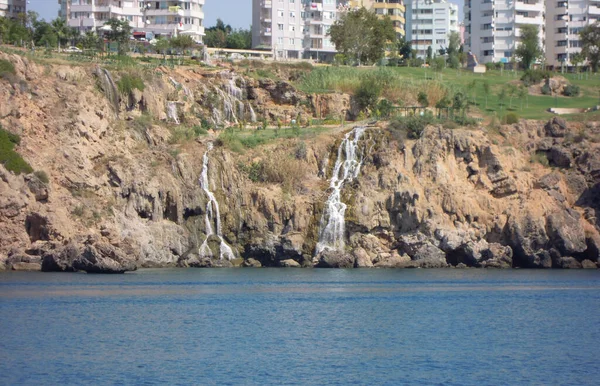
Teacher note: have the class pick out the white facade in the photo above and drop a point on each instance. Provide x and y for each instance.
(564, 20)
(168, 18)
(429, 23)
(492, 27)
(11, 8)
(294, 29)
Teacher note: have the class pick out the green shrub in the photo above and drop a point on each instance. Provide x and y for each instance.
(368, 92)
(300, 152)
(422, 99)
(385, 108)
(42, 176)
(540, 158)
(6, 67)
(464, 120)
(199, 130)
(531, 77)
(571, 90)
(412, 127)
(546, 90)
(129, 82)
(511, 118)
(11, 160)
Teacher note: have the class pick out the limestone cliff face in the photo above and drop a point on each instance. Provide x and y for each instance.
(124, 191)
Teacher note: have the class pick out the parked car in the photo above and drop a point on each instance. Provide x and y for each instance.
(72, 50)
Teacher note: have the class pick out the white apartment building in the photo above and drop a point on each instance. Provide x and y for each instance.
(155, 18)
(429, 23)
(294, 29)
(492, 27)
(11, 8)
(564, 20)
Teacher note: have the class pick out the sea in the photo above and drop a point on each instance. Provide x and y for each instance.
(301, 327)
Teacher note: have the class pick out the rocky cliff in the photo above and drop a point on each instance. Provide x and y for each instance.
(124, 190)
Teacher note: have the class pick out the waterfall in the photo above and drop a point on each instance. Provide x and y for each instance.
(252, 113)
(109, 87)
(172, 112)
(347, 166)
(232, 97)
(212, 218)
(180, 86)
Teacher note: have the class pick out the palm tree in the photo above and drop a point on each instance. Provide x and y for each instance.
(60, 28)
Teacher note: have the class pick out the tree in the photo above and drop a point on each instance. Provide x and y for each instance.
(215, 38)
(453, 50)
(486, 91)
(182, 43)
(501, 98)
(404, 48)
(119, 32)
(60, 29)
(460, 102)
(239, 39)
(590, 40)
(522, 95)
(90, 40)
(162, 45)
(512, 91)
(529, 49)
(576, 60)
(429, 54)
(362, 36)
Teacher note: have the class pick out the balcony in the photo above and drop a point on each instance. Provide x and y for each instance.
(266, 4)
(537, 20)
(528, 6)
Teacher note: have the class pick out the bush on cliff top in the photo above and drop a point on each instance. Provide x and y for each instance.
(6, 67)
(128, 83)
(11, 160)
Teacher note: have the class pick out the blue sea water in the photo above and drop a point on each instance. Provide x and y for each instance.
(301, 326)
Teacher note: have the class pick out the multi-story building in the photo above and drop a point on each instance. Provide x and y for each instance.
(11, 8)
(395, 10)
(294, 29)
(564, 21)
(429, 23)
(493, 27)
(159, 18)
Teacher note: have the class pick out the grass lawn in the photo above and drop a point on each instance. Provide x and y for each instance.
(400, 81)
(237, 139)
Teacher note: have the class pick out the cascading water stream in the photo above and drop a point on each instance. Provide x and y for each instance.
(347, 166)
(109, 87)
(212, 218)
(172, 112)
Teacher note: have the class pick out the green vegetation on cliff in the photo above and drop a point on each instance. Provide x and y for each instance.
(8, 156)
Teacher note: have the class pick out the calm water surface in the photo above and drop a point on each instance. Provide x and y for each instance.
(294, 326)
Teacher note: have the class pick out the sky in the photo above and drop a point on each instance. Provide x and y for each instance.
(237, 13)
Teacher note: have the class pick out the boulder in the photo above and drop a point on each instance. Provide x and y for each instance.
(496, 256)
(567, 262)
(251, 263)
(362, 258)
(22, 266)
(556, 127)
(527, 237)
(335, 259)
(566, 232)
(395, 260)
(289, 263)
(103, 258)
(38, 188)
(560, 156)
(421, 251)
(588, 264)
(61, 260)
(21, 261)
